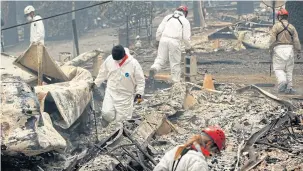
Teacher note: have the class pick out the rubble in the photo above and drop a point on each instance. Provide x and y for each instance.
(24, 129)
(240, 115)
(262, 130)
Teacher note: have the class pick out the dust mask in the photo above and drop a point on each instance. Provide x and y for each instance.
(29, 18)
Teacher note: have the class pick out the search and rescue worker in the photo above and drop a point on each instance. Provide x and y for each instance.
(37, 33)
(125, 85)
(192, 155)
(284, 42)
(174, 29)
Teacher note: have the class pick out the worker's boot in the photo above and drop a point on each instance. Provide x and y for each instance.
(151, 79)
(152, 73)
(282, 87)
(290, 91)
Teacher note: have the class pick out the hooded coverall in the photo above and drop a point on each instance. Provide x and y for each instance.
(122, 83)
(172, 30)
(37, 31)
(284, 39)
(191, 161)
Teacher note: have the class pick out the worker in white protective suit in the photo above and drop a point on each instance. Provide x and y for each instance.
(37, 28)
(284, 42)
(125, 85)
(192, 155)
(171, 32)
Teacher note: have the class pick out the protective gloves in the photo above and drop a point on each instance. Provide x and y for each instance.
(92, 85)
(138, 98)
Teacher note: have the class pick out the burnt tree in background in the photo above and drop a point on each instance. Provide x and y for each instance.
(10, 36)
(295, 9)
(197, 21)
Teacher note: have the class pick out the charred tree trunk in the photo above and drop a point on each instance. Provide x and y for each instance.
(26, 27)
(197, 21)
(296, 16)
(10, 36)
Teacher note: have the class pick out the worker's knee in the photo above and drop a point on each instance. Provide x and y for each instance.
(109, 115)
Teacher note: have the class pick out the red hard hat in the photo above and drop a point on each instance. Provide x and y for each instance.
(183, 8)
(217, 134)
(282, 12)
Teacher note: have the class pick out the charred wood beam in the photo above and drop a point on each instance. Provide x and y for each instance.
(265, 130)
(287, 104)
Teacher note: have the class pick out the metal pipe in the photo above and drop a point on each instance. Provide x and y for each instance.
(124, 145)
(139, 147)
(134, 158)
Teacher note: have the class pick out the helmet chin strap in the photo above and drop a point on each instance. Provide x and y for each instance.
(202, 150)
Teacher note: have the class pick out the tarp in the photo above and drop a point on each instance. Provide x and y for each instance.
(70, 98)
(29, 62)
(23, 128)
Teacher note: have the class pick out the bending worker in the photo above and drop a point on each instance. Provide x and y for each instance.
(171, 32)
(125, 79)
(37, 33)
(192, 155)
(283, 41)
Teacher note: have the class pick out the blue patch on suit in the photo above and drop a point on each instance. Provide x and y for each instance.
(126, 74)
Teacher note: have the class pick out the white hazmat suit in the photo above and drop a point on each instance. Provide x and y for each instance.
(285, 41)
(191, 161)
(122, 84)
(283, 65)
(171, 32)
(37, 31)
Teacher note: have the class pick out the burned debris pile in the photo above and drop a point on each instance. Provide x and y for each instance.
(263, 131)
(242, 116)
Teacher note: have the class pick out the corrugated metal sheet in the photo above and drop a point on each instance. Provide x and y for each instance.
(29, 62)
(70, 98)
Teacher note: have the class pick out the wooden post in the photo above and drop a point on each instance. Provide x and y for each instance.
(202, 20)
(40, 55)
(76, 43)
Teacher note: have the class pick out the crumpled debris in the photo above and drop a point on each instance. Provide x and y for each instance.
(24, 129)
(240, 115)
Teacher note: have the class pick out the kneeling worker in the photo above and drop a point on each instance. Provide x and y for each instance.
(125, 85)
(191, 156)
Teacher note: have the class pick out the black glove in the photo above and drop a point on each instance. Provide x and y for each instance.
(92, 85)
(138, 98)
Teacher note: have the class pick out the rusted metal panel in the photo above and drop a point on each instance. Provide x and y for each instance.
(29, 62)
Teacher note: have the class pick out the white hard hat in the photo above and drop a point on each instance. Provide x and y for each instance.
(28, 9)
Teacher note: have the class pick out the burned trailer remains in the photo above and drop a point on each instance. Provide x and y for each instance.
(24, 129)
